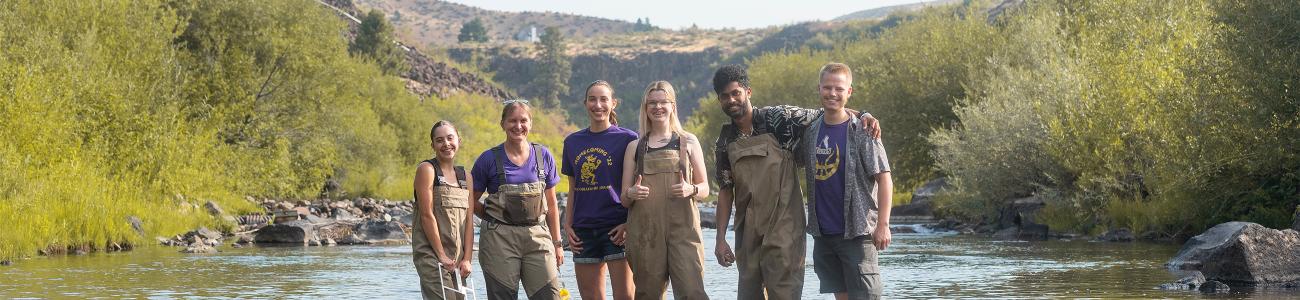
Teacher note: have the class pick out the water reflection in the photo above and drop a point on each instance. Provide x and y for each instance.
(925, 265)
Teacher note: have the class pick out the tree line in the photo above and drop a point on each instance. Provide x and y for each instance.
(1159, 116)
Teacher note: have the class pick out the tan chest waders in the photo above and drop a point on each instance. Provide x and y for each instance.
(450, 205)
(663, 231)
(514, 246)
(770, 241)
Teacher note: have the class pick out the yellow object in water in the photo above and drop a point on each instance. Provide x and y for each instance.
(564, 294)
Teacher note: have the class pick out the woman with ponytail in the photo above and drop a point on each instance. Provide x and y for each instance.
(593, 160)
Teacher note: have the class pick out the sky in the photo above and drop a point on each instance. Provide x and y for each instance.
(712, 14)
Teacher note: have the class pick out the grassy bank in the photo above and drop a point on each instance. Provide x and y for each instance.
(112, 109)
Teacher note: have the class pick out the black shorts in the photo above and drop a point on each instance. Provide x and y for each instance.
(597, 247)
(847, 266)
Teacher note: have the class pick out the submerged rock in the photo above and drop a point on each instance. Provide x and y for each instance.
(1214, 287)
(1242, 252)
(1192, 280)
(1122, 235)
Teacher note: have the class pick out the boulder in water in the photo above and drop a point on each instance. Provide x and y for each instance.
(292, 232)
(708, 217)
(381, 232)
(1243, 253)
(204, 232)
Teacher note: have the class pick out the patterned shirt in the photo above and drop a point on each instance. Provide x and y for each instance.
(786, 123)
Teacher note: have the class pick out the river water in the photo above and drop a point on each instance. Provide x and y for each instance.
(922, 265)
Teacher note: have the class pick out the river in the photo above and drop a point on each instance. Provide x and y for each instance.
(922, 265)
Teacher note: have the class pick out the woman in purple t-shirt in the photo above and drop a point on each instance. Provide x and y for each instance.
(593, 160)
(520, 180)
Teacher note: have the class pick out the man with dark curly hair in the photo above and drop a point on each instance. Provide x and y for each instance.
(756, 169)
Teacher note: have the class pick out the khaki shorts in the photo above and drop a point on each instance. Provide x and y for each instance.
(847, 266)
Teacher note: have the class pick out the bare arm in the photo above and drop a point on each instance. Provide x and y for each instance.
(699, 175)
(723, 216)
(884, 201)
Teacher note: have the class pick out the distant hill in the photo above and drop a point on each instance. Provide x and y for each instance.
(427, 76)
(437, 23)
(882, 12)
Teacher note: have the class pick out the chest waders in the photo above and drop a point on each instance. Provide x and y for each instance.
(770, 220)
(514, 245)
(450, 205)
(663, 239)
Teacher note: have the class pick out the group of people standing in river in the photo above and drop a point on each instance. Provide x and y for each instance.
(634, 193)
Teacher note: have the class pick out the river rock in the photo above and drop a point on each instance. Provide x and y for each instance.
(292, 232)
(1020, 211)
(381, 232)
(199, 245)
(342, 213)
(136, 224)
(1243, 252)
(901, 229)
(214, 209)
(1122, 235)
(1189, 282)
(708, 217)
(204, 232)
(1214, 287)
(921, 203)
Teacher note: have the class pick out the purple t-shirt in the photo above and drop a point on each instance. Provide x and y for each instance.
(485, 170)
(597, 158)
(829, 177)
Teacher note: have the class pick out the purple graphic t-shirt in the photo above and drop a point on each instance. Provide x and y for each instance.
(829, 177)
(594, 162)
(485, 170)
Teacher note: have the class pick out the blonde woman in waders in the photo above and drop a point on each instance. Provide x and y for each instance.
(442, 233)
(663, 181)
(514, 244)
(593, 160)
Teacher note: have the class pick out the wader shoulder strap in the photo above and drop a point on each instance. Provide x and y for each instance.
(460, 176)
(437, 172)
(500, 153)
(641, 149)
(684, 158)
(537, 163)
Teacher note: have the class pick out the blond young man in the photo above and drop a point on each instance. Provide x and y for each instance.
(849, 192)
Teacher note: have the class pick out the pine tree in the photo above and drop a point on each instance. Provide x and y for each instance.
(375, 42)
(473, 31)
(554, 68)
